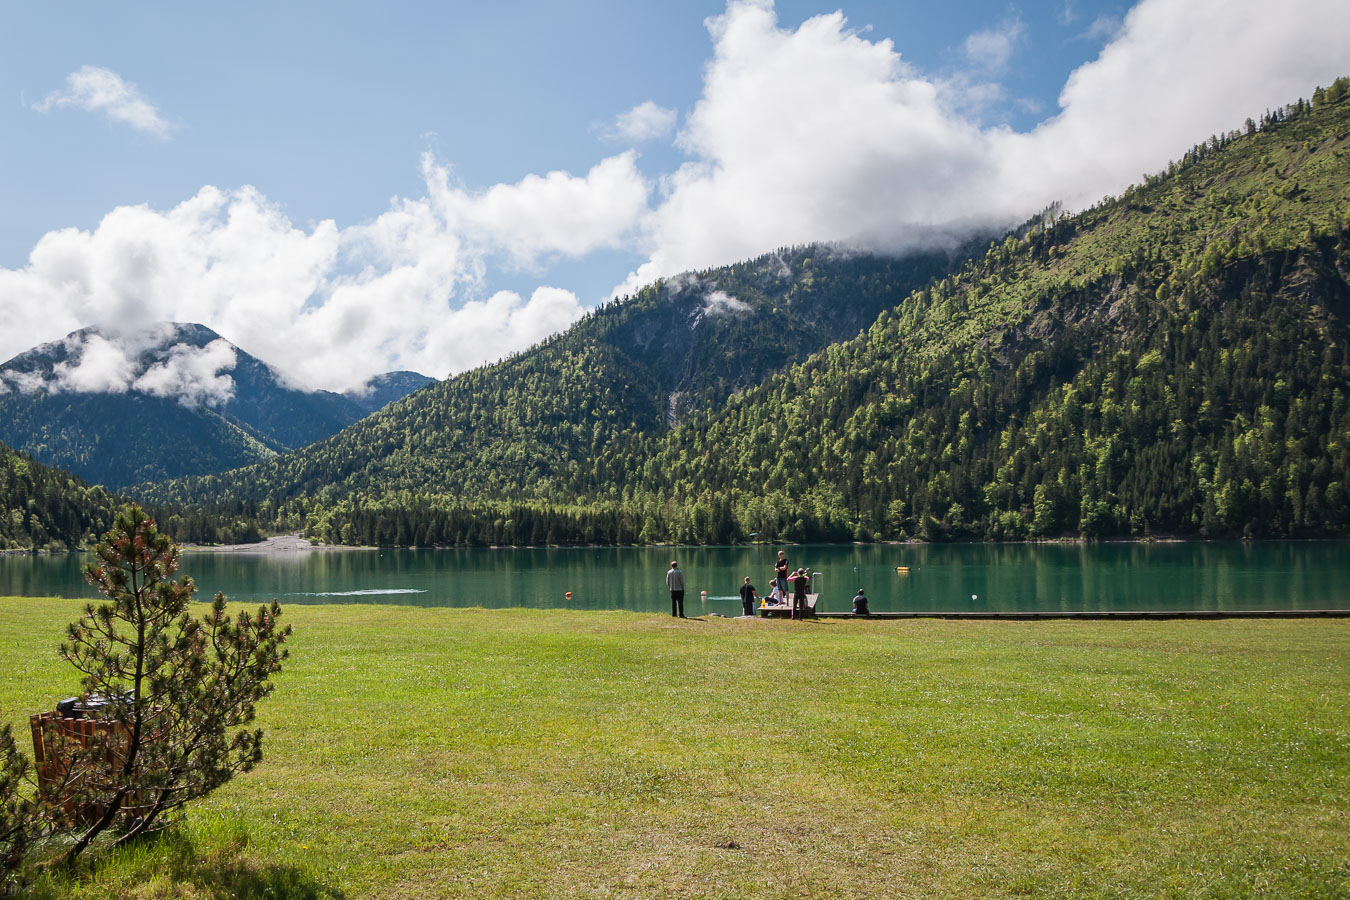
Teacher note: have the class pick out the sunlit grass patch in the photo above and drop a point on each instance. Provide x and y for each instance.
(436, 752)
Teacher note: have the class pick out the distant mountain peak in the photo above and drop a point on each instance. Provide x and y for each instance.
(186, 362)
(123, 405)
(387, 387)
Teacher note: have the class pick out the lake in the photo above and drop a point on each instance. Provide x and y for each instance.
(943, 577)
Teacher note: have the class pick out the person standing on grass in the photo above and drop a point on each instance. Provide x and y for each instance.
(748, 597)
(675, 581)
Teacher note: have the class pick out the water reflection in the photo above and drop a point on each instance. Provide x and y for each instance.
(950, 577)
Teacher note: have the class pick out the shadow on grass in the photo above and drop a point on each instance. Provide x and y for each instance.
(229, 872)
(172, 861)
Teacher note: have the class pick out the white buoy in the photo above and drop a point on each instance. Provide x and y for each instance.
(974, 596)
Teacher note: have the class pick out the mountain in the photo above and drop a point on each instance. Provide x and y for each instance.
(1172, 361)
(44, 508)
(386, 388)
(176, 399)
(528, 424)
(1175, 360)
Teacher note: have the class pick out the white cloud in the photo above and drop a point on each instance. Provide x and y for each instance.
(817, 134)
(111, 361)
(96, 365)
(814, 133)
(720, 303)
(329, 307)
(24, 382)
(992, 48)
(644, 122)
(1104, 26)
(102, 90)
(553, 214)
(479, 330)
(192, 374)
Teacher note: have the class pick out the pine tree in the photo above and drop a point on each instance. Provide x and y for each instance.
(174, 685)
(16, 811)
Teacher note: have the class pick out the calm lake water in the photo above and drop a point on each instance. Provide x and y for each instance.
(950, 577)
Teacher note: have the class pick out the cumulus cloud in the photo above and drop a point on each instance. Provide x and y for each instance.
(805, 134)
(553, 214)
(818, 134)
(96, 89)
(330, 307)
(193, 375)
(644, 122)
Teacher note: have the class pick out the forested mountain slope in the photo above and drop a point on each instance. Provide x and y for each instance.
(525, 427)
(1171, 361)
(44, 508)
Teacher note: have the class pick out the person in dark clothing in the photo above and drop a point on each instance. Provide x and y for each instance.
(801, 580)
(860, 607)
(675, 581)
(748, 597)
(780, 574)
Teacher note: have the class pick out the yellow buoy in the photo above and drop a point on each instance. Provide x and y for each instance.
(902, 570)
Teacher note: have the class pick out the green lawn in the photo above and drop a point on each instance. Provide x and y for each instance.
(437, 752)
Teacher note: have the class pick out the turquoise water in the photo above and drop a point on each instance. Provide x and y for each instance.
(945, 577)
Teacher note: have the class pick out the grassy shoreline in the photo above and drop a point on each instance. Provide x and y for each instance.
(484, 753)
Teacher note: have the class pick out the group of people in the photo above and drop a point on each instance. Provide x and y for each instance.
(785, 579)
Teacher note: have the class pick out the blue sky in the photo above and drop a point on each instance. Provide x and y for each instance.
(326, 107)
(295, 174)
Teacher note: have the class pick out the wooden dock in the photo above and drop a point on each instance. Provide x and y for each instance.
(1124, 615)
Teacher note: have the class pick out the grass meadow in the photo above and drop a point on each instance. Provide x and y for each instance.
(518, 753)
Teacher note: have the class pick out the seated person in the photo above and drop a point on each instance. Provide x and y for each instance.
(860, 607)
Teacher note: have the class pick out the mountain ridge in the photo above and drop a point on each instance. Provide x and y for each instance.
(90, 402)
(629, 366)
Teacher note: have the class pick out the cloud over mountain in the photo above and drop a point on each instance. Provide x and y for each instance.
(812, 133)
(819, 134)
(330, 307)
(114, 361)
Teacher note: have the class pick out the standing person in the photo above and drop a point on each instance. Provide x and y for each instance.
(748, 597)
(675, 581)
(780, 574)
(800, 581)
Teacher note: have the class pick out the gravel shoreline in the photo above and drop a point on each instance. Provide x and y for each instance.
(282, 543)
